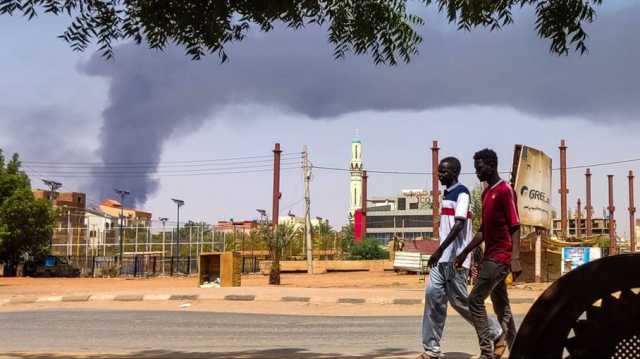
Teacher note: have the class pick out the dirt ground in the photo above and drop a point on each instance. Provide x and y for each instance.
(361, 280)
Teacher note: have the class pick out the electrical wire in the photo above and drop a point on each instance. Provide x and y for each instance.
(395, 172)
(146, 164)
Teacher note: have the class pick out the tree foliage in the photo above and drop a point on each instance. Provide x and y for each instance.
(284, 234)
(476, 207)
(26, 223)
(384, 29)
(368, 249)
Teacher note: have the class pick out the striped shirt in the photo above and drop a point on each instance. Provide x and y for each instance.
(455, 205)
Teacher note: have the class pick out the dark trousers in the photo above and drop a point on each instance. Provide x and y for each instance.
(491, 283)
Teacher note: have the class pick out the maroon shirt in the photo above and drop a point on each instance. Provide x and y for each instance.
(499, 215)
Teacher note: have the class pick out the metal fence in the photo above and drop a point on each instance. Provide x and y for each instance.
(150, 251)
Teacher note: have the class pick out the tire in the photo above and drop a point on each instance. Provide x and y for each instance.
(567, 319)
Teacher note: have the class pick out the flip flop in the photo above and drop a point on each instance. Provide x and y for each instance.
(499, 346)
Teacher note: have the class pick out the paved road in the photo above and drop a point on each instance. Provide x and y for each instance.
(214, 335)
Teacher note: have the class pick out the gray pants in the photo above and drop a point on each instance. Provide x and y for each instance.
(446, 284)
(491, 283)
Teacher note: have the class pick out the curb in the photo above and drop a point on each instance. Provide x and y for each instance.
(229, 297)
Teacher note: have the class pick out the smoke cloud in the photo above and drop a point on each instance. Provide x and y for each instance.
(154, 96)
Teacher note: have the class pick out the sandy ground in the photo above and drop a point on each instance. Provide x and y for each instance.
(356, 280)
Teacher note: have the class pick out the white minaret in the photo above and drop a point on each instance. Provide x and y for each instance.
(355, 189)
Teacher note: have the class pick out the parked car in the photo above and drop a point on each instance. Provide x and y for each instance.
(51, 266)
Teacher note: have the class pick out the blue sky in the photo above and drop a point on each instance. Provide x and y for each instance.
(491, 96)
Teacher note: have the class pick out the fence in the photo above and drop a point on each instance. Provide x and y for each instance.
(150, 251)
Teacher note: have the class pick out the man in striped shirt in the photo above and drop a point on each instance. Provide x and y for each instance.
(447, 283)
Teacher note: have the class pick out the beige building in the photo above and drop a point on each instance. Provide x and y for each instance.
(132, 216)
(71, 207)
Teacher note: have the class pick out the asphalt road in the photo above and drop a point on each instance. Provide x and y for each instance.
(110, 334)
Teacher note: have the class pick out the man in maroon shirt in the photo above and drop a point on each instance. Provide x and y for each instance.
(500, 230)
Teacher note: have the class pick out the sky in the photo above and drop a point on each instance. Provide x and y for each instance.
(466, 90)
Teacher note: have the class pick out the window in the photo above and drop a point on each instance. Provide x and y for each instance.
(355, 196)
(413, 205)
(402, 204)
(400, 221)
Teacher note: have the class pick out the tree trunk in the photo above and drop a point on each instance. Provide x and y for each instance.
(274, 275)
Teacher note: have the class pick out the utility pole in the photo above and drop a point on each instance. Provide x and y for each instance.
(274, 275)
(364, 204)
(307, 209)
(588, 207)
(563, 189)
(122, 193)
(435, 190)
(179, 203)
(632, 215)
(611, 208)
(276, 187)
(164, 221)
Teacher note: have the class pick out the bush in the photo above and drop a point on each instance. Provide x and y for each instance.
(368, 249)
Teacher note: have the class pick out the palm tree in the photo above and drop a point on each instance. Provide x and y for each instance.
(285, 234)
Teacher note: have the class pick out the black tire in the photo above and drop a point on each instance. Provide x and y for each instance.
(545, 331)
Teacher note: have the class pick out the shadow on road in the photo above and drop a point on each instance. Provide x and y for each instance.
(248, 354)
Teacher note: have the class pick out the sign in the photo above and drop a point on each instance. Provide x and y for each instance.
(573, 257)
(532, 183)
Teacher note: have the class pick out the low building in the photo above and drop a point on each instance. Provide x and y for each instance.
(405, 216)
(599, 226)
(100, 227)
(70, 205)
(132, 216)
(228, 227)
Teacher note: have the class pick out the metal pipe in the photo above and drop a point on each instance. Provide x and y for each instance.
(632, 215)
(276, 187)
(611, 208)
(578, 219)
(588, 207)
(563, 189)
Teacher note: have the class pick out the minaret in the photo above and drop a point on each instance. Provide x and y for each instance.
(355, 188)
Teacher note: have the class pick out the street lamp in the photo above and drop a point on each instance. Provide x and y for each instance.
(122, 193)
(53, 186)
(179, 203)
(164, 221)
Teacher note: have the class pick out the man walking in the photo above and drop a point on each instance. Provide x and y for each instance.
(447, 283)
(500, 230)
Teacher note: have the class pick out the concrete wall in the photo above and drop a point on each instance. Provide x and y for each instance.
(325, 266)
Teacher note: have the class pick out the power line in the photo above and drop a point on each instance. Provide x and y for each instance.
(396, 172)
(152, 175)
(102, 164)
(155, 166)
(172, 171)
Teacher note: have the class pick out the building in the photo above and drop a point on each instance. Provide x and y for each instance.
(100, 227)
(132, 216)
(70, 205)
(599, 226)
(355, 186)
(408, 216)
(228, 227)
